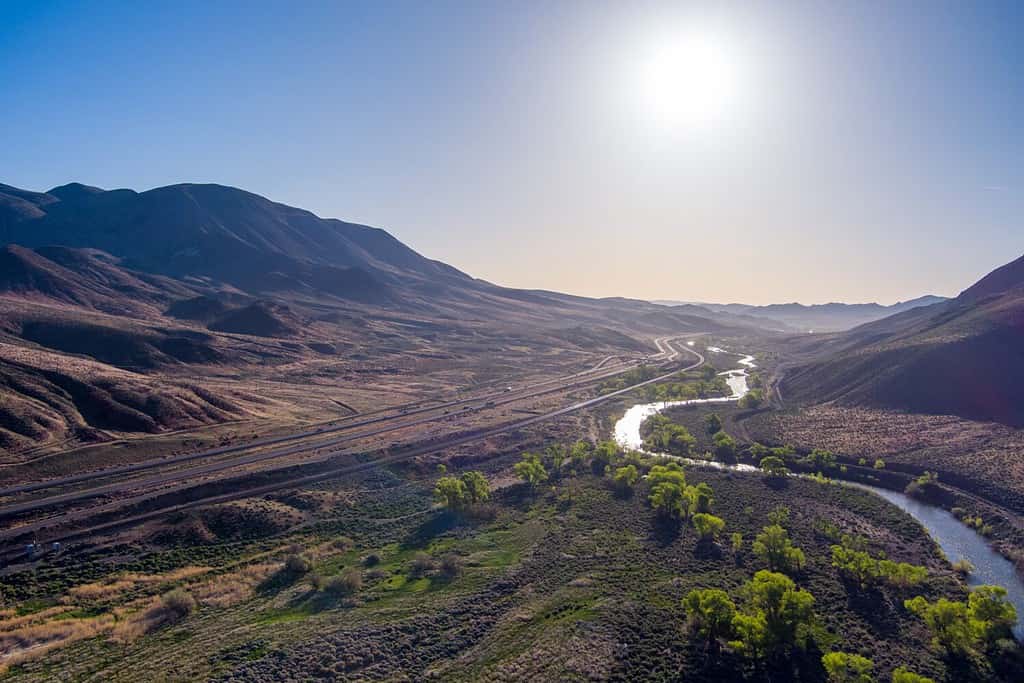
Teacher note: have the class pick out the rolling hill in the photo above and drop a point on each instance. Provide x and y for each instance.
(198, 280)
(959, 357)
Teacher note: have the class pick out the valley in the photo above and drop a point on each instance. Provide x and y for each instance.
(266, 478)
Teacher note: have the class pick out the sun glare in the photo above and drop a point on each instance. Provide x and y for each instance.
(690, 80)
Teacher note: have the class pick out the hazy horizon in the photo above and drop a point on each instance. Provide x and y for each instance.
(783, 158)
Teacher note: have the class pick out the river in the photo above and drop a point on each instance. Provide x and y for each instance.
(957, 540)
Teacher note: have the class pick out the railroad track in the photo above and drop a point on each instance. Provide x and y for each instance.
(48, 529)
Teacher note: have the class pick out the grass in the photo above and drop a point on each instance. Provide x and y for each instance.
(554, 587)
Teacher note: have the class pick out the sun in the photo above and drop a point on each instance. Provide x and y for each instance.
(690, 80)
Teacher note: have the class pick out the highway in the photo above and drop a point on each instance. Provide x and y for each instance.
(455, 440)
(495, 398)
(391, 423)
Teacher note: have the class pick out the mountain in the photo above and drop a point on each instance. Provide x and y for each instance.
(191, 280)
(963, 356)
(831, 317)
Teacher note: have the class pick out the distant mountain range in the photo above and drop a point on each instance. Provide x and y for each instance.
(962, 356)
(831, 317)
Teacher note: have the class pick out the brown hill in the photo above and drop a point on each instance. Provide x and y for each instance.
(962, 357)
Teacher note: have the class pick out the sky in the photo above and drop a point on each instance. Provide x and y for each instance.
(757, 152)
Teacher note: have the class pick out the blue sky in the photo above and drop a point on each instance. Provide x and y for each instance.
(872, 150)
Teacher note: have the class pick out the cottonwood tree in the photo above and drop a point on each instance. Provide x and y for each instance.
(531, 470)
(774, 547)
(711, 613)
(846, 667)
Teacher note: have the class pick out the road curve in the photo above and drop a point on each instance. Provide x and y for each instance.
(39, 526)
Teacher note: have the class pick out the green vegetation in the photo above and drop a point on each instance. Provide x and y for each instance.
(711, 613)
(462, 493)
(774, 547)
(925, 486)
(853, 561)
(904, 675)
(708, 526)
(774, 466)
(845, 667)
(966, 628)
(625, 478)
(752, 399)
(668, 437)
(724, 447)
(531, 470)
(713, 423)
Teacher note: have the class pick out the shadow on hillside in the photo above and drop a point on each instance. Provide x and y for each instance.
(666, 530)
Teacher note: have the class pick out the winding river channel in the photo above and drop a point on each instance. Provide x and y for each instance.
(957, 540)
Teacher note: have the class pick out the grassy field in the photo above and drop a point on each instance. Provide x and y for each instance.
(574, 582)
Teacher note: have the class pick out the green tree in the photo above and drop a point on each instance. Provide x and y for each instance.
(752, 399)
(845, 667)
(606, 453)
(949, 622)
(774, 466)
(788, 612)
(901, 575)
(531, 470)
(773, 546)
(672, 472)
(713, 424)
(669, 500)
(669, 437)
(701, 496)
(737, 541)
(903, 675)
(779, 515)
(855, 564)
(555, 456)
(711, 613)
(992, 613)
(450, 492)
(708, 526)
(724, 447)
(478, 489)
(819, 459)
(626, 478)
(578, 454)
(752, 638)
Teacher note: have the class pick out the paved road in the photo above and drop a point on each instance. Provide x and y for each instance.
(481, 401)
(489, 401)
(41, 525)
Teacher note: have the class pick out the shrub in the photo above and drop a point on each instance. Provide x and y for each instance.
(297, 564)
(349, 582)
(422, 564)
(451, 566)
(371, 560)
(963, 566)
(713, 424)
(879, 464)
(179, 602)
